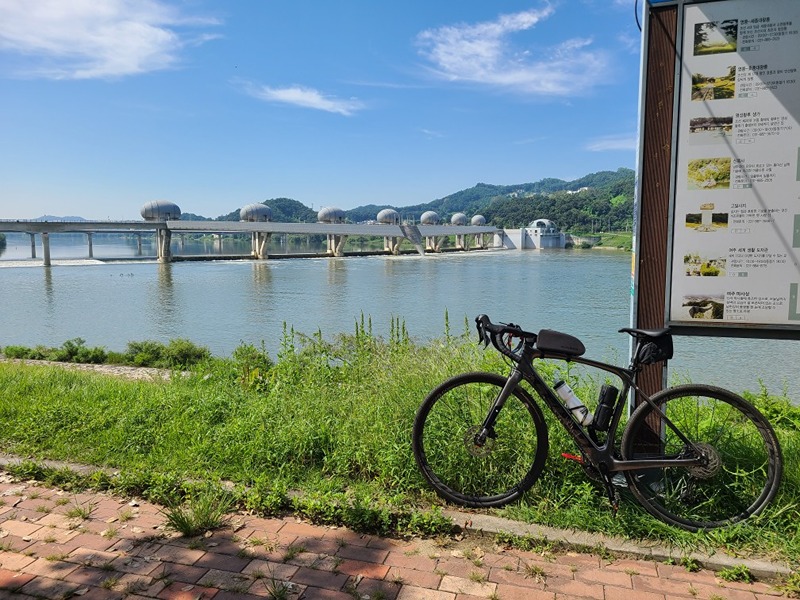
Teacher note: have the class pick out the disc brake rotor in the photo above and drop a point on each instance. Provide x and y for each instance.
(472, 447)
(712, 465)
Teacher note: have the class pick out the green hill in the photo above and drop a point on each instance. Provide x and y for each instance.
(601, 201)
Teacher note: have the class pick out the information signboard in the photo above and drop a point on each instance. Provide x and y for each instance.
(735, 259)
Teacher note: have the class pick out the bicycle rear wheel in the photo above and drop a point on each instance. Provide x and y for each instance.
(459, 470)
(742, 464)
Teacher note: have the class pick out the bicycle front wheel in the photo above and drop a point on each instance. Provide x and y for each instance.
(741, 458)
(463, 472)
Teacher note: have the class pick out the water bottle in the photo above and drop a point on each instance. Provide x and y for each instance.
(573, 403)
(605, 407)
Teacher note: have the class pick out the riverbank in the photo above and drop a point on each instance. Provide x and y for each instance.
(330, 420)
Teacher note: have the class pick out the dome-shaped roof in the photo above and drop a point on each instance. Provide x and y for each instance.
(389, 216)
(160, 210)
(543, 224)
(255, 212)
(429, 217)
(458, 219)
(478, 220)
(330, 214)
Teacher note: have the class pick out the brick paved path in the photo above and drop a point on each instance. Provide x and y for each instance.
(55, 544)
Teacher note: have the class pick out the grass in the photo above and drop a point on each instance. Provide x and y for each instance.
(324, 431)
(203, 511)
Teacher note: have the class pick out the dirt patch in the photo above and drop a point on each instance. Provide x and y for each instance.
(145, 373)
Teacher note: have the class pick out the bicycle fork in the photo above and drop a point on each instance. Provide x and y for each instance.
(486, 431)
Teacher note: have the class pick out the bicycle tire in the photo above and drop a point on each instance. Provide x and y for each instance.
(468, 475)
(744, 463)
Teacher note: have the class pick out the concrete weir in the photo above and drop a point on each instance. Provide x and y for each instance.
(424, 238)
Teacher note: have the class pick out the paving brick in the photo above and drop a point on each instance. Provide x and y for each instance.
(135, 565)
(414, 577)
(634, 567)
(45, 587)
(512, 592)
(677, 572)
(225, 580)
(225, 562)
(267, 569)
(604, 577)
(461, 568)
(90, 557)
(575, 588)
(365, 569)
(365, 554)
(20, 528)
(618, 593)
(182, 591)
(413, 561)
(374, 588)
(88, 576)
(49, 568)
(178, 572)
(176, 554)
(325, 594)
(12, 580)
(415, 593)
(460, 585)
(321, 579)
(14, 561)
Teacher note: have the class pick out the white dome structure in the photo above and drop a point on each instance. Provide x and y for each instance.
(478, 220)
(458, 219)
(544, 225)
(330, 214)
(160, 210)
(255, 213)
(429, 217)
(388, 216)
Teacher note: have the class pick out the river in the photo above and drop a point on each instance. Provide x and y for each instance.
(221, 304)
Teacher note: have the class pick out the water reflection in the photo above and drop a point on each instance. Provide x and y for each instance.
(49, 290)
(164, 309)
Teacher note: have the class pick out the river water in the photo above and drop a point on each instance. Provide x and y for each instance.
(221, 304)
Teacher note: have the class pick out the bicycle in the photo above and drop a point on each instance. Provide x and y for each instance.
(695, 456)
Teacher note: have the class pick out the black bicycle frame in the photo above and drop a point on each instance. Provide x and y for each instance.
(600, 456)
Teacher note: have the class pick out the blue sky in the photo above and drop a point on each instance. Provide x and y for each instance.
(214, 104)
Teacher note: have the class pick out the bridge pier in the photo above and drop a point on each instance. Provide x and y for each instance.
(91, 249)
(259, 242)
(46, 248)
(433, 243)
(336, 244)
(33, 245)
(392, 244)
(163, 242)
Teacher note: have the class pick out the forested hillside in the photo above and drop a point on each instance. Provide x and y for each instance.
(600, 201)
(609, 195)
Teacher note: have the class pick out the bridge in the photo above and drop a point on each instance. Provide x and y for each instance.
(425, 238)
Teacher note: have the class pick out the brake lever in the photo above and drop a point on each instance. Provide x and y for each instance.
(483, 335)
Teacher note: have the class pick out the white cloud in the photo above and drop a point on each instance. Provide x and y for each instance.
(613, 142)
(431, 134)
(90, 39)
(482, 53)
(306, 98)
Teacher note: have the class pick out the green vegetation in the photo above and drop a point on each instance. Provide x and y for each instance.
(323, 431)
(622, 241)
(178, 353)
(600, 201)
